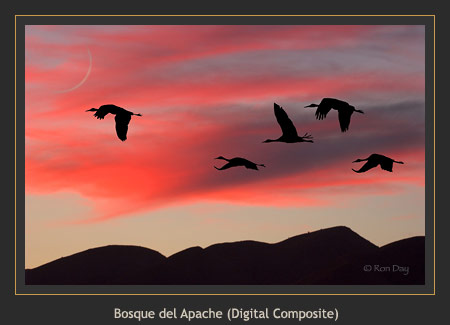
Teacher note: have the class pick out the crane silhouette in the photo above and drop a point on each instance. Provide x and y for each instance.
(238, 161)
(374, 160)
(287, 127)
(122, 118)
(345, 111)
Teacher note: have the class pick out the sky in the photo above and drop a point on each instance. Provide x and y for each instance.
(209, 91)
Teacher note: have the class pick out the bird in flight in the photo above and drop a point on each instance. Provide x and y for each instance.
(345, 111)
(122, 118)
(287, 127)
(374, 160)
(238, 161)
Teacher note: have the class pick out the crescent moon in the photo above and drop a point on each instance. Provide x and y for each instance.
(85, 77)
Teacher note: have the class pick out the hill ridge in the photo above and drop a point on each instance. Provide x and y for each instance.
(325, 256)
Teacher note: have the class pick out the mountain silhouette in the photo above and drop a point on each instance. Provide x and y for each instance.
(330, 256)
(104, 265)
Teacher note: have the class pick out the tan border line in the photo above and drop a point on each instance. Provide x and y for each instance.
(434, 154)
(225, 15)
(15, 155)
(225, 294)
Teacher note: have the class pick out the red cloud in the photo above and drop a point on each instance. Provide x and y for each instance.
(151, 171)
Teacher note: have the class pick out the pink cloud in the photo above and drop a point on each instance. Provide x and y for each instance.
(140, 175)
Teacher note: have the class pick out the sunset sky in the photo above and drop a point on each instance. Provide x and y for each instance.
(206, 91)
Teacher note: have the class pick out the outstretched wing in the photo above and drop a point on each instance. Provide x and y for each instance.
(226, 166)
(122, 121)
(324, 107)
(103, 111)
(386, 164)
(249, 164)
(287, 127)
(344, 116)
(368, 165)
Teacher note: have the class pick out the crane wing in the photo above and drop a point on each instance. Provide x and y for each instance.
(368, 165)
(386, 164)
(324, 107)
(122, 121)
(287, 127)
(226, 166)
(344, 116)
(248, 164)
(102, 111)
